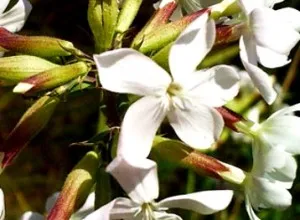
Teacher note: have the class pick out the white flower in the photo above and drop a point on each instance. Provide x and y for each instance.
(279, 131)
(273, 173)
(275, 141)
(187, 98)
(14, 19)
(139, 180)
(86, 208)
(268, 40)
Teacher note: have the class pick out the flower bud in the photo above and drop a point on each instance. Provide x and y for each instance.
(128, 12)
(16, 68)
(102, 18)
(165, 34)
(160, 17)
(52, 78)
(76, 187)
(31, 123)
(178, 152)
(35, 45)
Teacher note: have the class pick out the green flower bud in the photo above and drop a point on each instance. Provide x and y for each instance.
(76, 187)
(35, 45)
(31, 123)
(16, 68)
(52, 78)
(102, 18)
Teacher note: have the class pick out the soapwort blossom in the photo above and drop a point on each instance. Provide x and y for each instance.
(187, 97)
(268, 39)
(139, 180)
(14, 19)
(275, 141)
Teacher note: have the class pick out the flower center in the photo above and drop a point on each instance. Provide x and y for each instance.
(147, 211)
(174, 89)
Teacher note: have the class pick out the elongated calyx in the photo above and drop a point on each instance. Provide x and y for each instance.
(41, 46)
(52, 78)
(76, 187)
(17, 68)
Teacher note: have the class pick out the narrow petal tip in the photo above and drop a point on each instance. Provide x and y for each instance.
(22, 87)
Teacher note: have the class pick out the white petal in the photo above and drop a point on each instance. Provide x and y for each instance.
(249, 209)
(14, 19)
(191, 47)
(3, 5)
(206, 202)
(273, 164)
(198, 126)
(166, 216)
(290, 16)
(128, 71)
(51, 201)
(212, 87)
(282, 131)
(139, 126)
(249, 5)
(124, 208)
(266, 194)
(87, 208)
(272, 32)
(270, 58)
(137, 177)
(259, 78)
(2, 205)
(286, 111)
(32, 216)
(104, 213)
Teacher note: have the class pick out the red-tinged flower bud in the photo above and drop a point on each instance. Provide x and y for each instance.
(160, 17)
(178, 152)
(228, 33)
(76, 187)
(16, 68)
(165, 34)
(35, 45)
(52, 78)
(31, 123)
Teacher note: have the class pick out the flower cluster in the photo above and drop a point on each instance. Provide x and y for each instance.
(168, 72)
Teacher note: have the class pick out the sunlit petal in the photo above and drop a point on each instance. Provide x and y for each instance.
(191, 47)
(198, 126)
(14, 19)
(128, 71)
(137, 177)
(139, 126)
(206, 202)
(213, 87)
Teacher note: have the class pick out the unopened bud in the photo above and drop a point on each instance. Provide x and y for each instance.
(127, 14)
(102, 18)
(52, 78)
(41, 46)
(160, 17)
(165, 34)
(16, 68)
(76, 187)
(31, 123)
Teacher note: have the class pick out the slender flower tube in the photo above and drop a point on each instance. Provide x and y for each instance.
(187, 97)
(268, 39)
(139, 180)
(83, 211)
